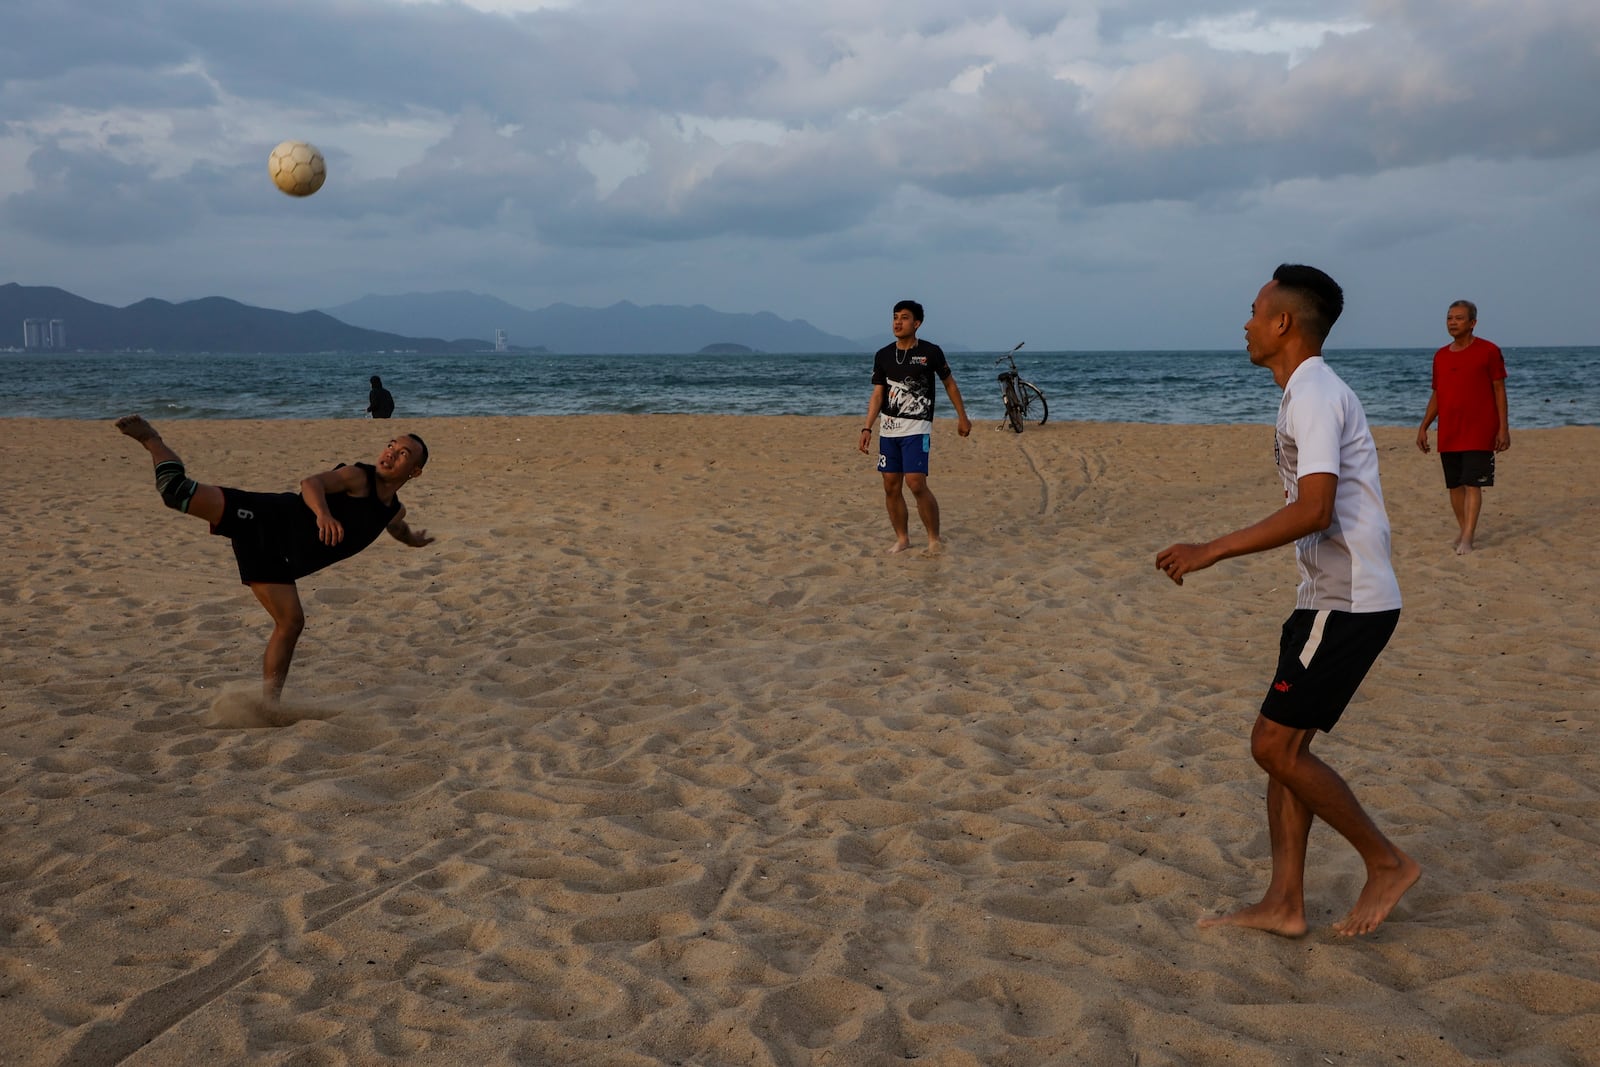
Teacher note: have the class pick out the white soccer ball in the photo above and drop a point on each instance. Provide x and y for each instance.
(297, 168)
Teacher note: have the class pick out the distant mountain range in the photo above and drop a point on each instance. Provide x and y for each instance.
(212, 324)
(622, 327)
(417, 322)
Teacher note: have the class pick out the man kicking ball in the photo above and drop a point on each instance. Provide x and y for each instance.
(281, 537)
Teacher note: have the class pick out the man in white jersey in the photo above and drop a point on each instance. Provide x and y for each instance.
(1346, 608)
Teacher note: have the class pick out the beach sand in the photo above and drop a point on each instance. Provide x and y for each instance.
(656, 758)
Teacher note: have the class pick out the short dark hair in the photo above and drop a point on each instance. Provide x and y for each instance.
(1472, 309)
(377, 382)
(1320, 298)
(423, 462)
(911, 306)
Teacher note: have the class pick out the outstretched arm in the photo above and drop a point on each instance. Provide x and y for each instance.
(400, 531)
(1311, 512)
(314, 491)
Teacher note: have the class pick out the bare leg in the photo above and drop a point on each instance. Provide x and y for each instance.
(135, 427)
(899, 516)
(282, 601)
(1467, 511)
(288, 621)
(1282, 910)
(207, 502)
(1285, 755)
(927, 509)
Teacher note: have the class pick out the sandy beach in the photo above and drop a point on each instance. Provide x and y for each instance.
(656, 758)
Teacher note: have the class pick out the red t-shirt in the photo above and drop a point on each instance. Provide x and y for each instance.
(1464, 384)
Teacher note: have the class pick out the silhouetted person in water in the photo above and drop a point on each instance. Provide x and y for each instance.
(380, 402)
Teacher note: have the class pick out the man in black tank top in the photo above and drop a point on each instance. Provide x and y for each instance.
(281, 537)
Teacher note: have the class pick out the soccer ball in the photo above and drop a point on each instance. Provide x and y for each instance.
(297, 168)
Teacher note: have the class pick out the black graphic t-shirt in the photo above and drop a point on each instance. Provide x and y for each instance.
(908, 377)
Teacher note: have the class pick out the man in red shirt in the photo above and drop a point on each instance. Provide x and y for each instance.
(1469, 400)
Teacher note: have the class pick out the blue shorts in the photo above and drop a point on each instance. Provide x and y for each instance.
(904, 455)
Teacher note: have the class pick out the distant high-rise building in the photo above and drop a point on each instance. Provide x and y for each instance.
(499, 340)
(58, 335)
(33, 335)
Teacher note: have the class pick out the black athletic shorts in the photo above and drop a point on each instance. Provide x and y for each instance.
(1322, 658)
(1467, 468)
(261, 527)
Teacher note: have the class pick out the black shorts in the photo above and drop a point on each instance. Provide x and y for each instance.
(1467, 468)
(1322, 658)
(261, 527)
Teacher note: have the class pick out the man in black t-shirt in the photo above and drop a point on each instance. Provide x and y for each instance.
(902, 403)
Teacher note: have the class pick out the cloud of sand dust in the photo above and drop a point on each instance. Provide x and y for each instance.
(242, 707)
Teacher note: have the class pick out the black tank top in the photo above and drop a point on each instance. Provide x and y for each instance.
(363, 519)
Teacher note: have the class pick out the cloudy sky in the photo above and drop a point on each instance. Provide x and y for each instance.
(1082, 175)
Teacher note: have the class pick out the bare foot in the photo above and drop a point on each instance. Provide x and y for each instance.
(1463, 548)
(1379, 896)
(135, 427)
(934, 550)
(897, 547)
(1274, 918)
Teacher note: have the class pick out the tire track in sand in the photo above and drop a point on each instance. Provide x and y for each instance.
(1045, 495)
(155, 1011)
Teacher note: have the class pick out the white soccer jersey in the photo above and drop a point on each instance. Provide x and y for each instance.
(1323, 430)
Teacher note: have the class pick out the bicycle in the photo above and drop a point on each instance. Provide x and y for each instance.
(1023, 400)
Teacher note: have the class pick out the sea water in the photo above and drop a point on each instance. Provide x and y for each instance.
(1546, 386)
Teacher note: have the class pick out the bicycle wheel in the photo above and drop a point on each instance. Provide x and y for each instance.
(1013, 409)
(1034, 408)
